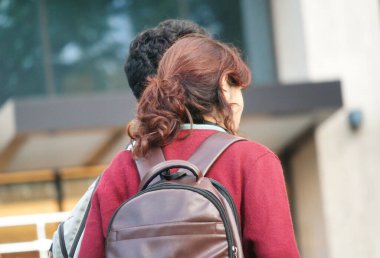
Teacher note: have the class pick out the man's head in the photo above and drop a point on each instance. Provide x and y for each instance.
(146, 50)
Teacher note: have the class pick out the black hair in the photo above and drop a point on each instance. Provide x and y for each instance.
(147, 49)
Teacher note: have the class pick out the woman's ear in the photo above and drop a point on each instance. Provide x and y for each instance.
(226, 88)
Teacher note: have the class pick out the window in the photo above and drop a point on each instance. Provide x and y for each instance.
(71, 47)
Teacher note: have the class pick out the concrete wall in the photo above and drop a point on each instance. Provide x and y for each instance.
(310, 223)
(339, 39)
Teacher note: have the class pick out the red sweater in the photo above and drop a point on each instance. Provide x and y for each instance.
(250, 172)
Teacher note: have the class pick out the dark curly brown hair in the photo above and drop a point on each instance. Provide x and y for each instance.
(146, 50)
(187, 87)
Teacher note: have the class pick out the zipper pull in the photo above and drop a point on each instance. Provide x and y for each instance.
(235, 251)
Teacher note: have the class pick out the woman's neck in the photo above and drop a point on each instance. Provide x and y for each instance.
(213, 120)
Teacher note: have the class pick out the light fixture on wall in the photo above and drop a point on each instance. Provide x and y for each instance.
(355, 119)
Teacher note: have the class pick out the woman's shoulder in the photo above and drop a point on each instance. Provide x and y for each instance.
(121, 165)
(121, 160)
(251, 149)
(255, 159)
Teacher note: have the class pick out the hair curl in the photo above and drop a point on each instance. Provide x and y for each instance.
(146, 50)
(187, 87)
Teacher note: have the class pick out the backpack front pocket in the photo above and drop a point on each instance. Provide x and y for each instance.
(181, 239)
(169, 229)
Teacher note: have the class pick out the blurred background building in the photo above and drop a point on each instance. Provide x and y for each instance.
(64, 104)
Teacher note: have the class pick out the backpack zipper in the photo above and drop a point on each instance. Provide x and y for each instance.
(235, 251)
(210, 196)
(83, 222)
(229, 199)
(62, 240)
(80, 230)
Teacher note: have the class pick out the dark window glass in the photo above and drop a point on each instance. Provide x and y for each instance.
(70, 47)
(257, 32)
(21, 60)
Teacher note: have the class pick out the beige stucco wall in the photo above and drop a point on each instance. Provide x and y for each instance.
(310, 224)
(341, 40)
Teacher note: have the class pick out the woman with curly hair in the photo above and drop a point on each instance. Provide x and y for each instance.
(196, 93)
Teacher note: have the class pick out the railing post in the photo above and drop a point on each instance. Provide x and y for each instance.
(41, 244)
(41, 236)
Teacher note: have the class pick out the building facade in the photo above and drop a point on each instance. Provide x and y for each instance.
(335, 169)
(314, 101)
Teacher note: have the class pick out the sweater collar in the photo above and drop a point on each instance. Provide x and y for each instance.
(203, 127)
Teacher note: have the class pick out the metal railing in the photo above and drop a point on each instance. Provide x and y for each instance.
(42, 243)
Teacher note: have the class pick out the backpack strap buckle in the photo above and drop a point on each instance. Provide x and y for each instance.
(166, 175)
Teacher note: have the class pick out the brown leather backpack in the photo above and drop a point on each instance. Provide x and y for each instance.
(185, 214)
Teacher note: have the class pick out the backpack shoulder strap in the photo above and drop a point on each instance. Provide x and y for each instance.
(208, 152)
(152, 158)
(211, 149)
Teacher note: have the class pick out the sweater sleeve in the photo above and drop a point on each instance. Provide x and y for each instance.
(268, 230)
(119, 182)
(92, 245)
